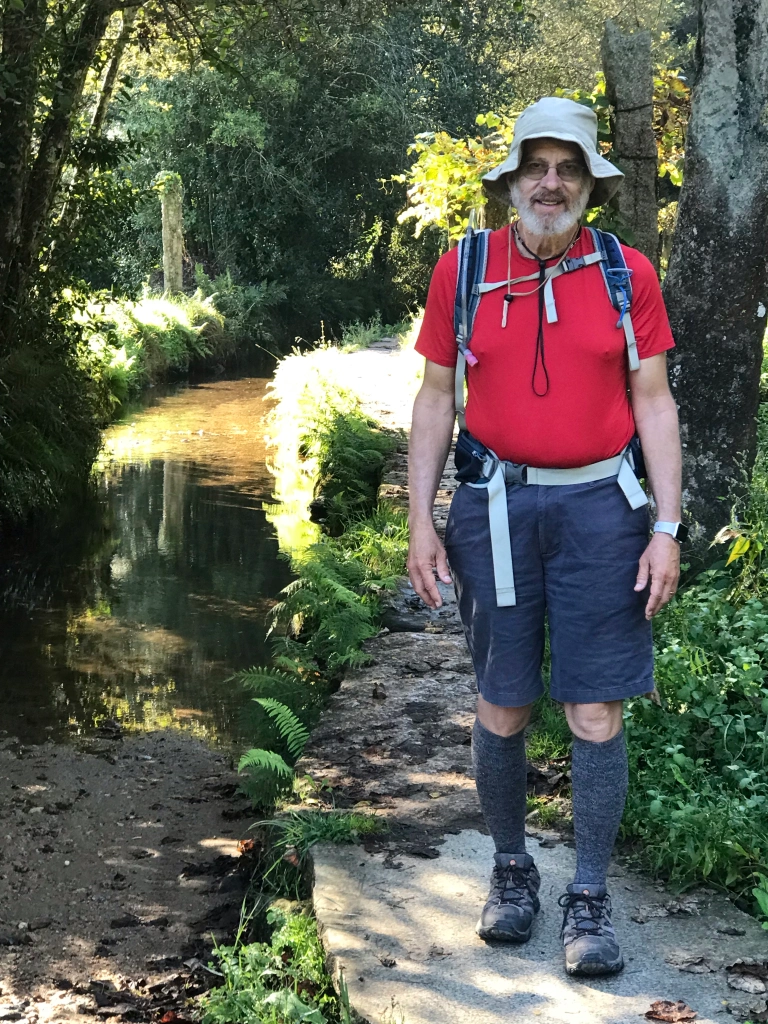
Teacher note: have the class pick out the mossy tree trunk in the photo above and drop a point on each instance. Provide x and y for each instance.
(716, 289)
(629, 88)
(171, 194)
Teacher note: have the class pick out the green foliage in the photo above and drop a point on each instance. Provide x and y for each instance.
(698, 798)
(261, 760)
(549, 737)
(328, 612)
(48, 424)
(127, 345)
(350, 449)
(301, 830)
(290, 727)
(279, 982)
(267, 772)
(248, 310)
(359, 334)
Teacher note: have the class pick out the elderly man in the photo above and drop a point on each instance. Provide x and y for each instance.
(557, 394)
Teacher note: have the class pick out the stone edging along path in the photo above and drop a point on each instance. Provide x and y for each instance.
(397, 915)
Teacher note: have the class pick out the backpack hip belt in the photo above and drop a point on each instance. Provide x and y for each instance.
(495, 473)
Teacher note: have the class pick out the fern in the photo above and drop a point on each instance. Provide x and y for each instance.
(268, 760)
(291, 729)
(257, 680)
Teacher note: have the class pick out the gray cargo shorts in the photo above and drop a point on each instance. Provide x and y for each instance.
(575, 551)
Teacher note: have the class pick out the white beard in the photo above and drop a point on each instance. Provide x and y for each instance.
(542, 225)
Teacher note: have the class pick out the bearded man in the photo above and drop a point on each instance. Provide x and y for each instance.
(556, 394)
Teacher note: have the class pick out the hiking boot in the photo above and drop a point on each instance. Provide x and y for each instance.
(513, 899)
(587, 932)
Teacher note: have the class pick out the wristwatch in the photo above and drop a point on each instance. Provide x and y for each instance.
(677, 530)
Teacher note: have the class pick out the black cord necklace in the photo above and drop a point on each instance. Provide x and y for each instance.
(542, 281)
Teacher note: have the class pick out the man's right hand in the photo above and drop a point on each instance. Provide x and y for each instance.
(425, 554)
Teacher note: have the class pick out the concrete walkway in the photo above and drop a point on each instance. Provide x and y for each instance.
(397, 915)
(402, 930)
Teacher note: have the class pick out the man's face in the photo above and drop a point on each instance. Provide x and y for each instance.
(551, 188)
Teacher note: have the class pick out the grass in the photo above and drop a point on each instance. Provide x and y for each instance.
(275, 982)
(359, 334)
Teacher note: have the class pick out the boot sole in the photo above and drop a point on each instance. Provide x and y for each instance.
(592, 968)
(494, 935)
(497, 935)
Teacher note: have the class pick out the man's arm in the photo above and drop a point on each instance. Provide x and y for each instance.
(656, 420)
(431, 433)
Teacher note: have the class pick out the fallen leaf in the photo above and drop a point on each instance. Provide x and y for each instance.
(694, 964)
(666, 1010)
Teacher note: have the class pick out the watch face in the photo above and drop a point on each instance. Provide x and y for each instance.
(681, 533)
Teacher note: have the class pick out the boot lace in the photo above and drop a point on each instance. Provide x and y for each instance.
(590, 913)
(511, 884)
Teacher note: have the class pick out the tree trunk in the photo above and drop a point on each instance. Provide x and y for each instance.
(173, 232)
(110, 78)
(69, 217)
(629, 88)
(22, 32)
(25, 240)
(716, 289)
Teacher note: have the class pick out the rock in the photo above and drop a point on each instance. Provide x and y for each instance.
(746, 983)
(125, 921)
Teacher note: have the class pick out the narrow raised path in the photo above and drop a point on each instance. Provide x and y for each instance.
(398, 914)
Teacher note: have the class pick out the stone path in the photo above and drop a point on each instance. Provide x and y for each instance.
(398, 914)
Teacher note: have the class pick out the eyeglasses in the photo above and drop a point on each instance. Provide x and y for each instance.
(568, 170)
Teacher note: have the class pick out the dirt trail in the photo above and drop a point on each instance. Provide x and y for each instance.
(117, 862)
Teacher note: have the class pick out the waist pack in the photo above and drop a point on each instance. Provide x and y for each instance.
(471, 457)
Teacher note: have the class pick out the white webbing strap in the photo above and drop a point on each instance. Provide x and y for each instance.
(620, 467)
(629, 332)
(629, 483)
(550, 274)
(576, 474)
(501, 542)
(458, 388)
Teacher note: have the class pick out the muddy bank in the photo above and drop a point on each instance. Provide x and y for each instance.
(118, 863)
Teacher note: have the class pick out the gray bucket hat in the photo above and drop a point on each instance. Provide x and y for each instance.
(555, 117)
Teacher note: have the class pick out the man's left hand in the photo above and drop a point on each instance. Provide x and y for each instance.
(661, 563)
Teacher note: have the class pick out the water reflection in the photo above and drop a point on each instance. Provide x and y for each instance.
(144, 607)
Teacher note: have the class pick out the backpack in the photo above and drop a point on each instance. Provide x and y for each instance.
(471, 286)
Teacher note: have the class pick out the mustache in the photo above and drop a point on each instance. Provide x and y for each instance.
(551, 194)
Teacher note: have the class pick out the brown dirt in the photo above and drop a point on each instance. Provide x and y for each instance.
(118, 862)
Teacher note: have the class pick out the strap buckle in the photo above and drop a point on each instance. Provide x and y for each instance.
(515, 474)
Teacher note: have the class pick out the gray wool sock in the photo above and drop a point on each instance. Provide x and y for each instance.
(600, 781)
(501, 776)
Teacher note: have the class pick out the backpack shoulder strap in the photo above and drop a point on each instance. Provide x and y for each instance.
(473, 261)
(618, 283)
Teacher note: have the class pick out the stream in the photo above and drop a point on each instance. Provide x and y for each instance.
(157, 589)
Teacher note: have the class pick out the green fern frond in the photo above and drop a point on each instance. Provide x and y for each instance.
(292, 730)
(259, 679)
(264, 759)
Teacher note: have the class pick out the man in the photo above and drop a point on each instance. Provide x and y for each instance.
(556, 394)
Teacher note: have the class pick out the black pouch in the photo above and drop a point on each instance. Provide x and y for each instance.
(469, 456)
(637, 455)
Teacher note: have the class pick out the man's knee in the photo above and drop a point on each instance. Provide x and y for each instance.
(502, 721)
(595, 722)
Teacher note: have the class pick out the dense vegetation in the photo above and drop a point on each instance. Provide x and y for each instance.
(289, 128)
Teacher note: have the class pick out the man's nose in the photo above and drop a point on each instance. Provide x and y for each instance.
(551, 179)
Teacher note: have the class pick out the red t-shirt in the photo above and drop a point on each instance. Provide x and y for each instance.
(585, 414)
